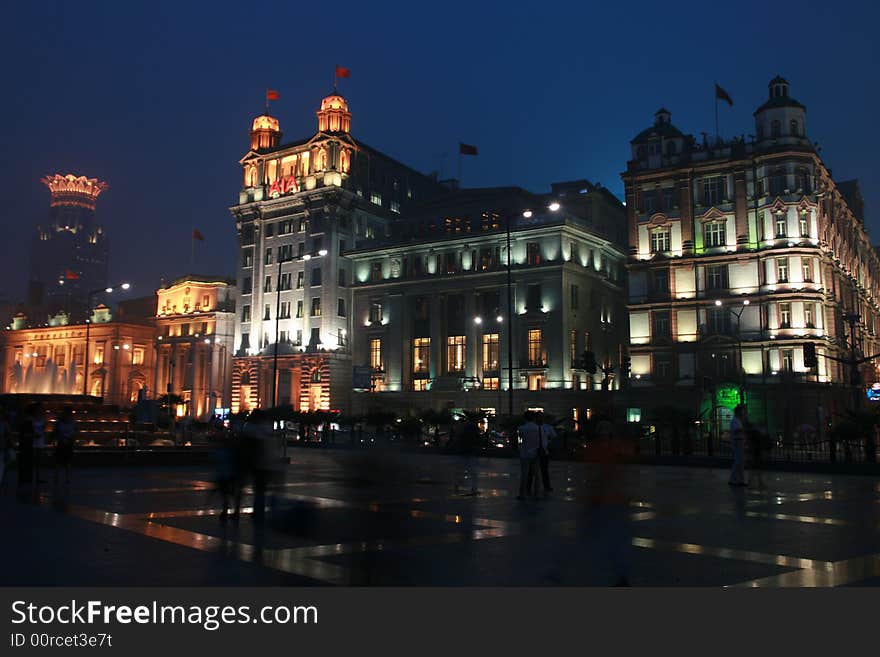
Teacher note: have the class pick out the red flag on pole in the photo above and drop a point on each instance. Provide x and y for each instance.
(197, 235)
(272, 94)
(467, 149)
(721, 94)
(70, 275)
(342, 72)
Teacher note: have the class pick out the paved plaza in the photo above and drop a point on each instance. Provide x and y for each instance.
(390, 519)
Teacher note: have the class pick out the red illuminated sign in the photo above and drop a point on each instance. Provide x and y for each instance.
(284, 185)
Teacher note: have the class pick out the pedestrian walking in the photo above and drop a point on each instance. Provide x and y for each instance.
(737, 445)
(547, 434)
(529, 439)
(65, 432)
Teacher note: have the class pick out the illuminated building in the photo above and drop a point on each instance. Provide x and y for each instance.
(71, 247)
(301, 206)
(195, 328)
(430, 306)
(741, 252)
(50, 359)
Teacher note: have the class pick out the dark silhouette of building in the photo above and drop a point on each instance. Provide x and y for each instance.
(69, 251)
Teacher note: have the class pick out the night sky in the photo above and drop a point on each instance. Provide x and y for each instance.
(157, 98)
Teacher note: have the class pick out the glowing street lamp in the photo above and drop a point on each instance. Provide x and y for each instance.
(89, 297)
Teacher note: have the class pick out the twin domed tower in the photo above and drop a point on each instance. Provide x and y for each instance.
(333, 117)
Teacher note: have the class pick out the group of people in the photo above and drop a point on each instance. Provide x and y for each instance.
(247, 455)
(535, 437)
(25, 439)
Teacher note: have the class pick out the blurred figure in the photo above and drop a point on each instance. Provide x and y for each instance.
(468, 448)
(529, 440)
(39, 431)
(737, 445)
(65, 432)
(5, 445)
(226, 460)
(260, 458)
(26, 446)
(757, 438)
(608, 504)
(547, 434)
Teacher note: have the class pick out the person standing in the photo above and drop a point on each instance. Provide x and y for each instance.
(546, 434)
(26, 446)
(65, 431)
(5, 445)
(737, 445)
(39, 422)
(529, 439)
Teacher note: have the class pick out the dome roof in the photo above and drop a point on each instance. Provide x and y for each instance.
(266, 122)
(658, 130)
(334, 102)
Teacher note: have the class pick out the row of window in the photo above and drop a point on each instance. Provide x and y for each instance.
(284, 309)
(719, 320)
(41, 355)
(714, 190)
(715, 233)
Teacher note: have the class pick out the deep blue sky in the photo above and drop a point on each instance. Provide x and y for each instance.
(156, 98)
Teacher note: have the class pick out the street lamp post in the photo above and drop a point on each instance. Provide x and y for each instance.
(89, 298)
(553, 207)
(305, 258)
(740, 372)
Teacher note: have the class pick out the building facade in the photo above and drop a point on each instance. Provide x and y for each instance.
(195, 331)
(69, 251)
(741, 253)
(302, 206)
(430, 311)
(50, 359)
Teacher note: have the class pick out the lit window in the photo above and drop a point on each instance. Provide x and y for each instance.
(780, 225)
(807, 267)
(376, 354)
(536, 348)
(491, 383)
(455, 353)
(316, 306)
(375, 198)
(420, 385)
(659, 240)
(804, 224)
(533, 253)
(421, 355)
(715, 232)
(395, 207)
(785, 315)
(491, 352)
(782, 270)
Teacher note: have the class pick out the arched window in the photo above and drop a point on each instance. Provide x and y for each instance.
(344, 161)
(794, 128)
(321, 160)
(775, 128)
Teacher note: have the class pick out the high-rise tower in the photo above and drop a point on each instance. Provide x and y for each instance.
(69, 252)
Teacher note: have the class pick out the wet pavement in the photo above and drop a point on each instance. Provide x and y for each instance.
(349, 518)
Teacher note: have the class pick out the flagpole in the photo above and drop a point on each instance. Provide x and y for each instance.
(716, 114)
(192, 257)
(267, 100)
(459, 168)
